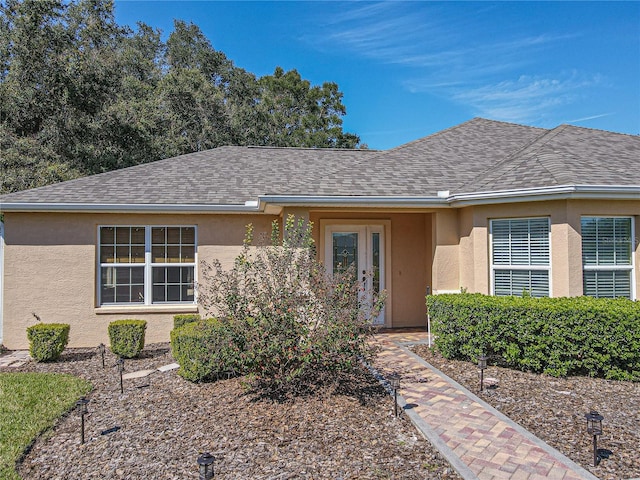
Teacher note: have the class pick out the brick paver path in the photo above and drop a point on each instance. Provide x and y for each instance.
(479, 441)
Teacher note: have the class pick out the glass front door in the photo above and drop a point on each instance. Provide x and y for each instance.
(361, 246)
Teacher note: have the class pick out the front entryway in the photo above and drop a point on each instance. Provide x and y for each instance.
(362, 246)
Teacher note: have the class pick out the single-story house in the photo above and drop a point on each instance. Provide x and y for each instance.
(484, 206)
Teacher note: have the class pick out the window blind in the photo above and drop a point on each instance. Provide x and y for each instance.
(607, 244)
(520, 256)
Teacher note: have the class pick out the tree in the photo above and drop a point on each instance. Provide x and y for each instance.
(295, 113)
(80, 94)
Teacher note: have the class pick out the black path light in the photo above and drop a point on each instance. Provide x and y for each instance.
(482, 365)
(101, 350)
(205, 466)
(594, 427)
(83, 409)
(394, 381)
(120, 365)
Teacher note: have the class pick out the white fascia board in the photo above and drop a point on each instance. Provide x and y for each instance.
(562, 192)
(353, 201)
(252, 207)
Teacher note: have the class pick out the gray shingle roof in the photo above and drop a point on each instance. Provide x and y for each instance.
(567, 155)
(221, 176)
(478, 155)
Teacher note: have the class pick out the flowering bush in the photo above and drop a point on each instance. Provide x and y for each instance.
(301, 325)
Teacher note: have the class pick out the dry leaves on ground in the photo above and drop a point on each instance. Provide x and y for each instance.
(157, 431)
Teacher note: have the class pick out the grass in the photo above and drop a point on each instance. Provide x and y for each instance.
(30, 403)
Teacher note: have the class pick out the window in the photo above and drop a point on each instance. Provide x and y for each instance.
(147, 264)
(607, 244)
(520, 256)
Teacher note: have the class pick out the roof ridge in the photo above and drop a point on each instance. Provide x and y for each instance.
(313, 149)
(486, 176)
(636, 136)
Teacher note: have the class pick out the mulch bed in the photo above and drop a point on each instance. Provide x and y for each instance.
(554, 410)
(157, 431)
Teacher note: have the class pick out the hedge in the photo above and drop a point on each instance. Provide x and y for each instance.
(47, 340)
(183, 319)
(208, 349)
(127, 337)
(555, 336)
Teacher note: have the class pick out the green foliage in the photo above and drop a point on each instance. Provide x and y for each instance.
(80, 94)
(127, 337)
(300, 326)
(209, 349)
(47, 340)
(32, 403)
(183, 319)
(555, 336)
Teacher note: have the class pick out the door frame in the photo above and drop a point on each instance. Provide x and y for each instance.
(345, 223)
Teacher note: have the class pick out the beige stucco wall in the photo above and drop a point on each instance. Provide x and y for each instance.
(50, 262)
(566, 241)
(51, 267)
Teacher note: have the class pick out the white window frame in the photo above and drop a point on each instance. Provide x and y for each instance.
(495, 267)
(608, 268)
(148, 266)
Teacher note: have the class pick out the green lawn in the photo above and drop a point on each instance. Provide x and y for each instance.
(29, 404)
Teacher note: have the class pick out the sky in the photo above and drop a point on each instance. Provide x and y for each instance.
(410, 69)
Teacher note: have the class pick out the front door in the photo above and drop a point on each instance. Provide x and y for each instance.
(363, 247)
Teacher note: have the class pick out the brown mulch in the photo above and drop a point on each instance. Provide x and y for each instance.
(157, 430)
(554, 410)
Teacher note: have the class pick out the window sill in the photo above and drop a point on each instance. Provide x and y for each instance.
(175, 308)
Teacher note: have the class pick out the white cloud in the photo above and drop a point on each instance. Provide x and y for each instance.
(527, 99)
(590, 117)
(460, 58)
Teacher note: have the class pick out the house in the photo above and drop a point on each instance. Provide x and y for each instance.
(484, 206)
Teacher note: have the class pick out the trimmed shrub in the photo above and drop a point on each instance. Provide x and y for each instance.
(127, 337)
(47, 340)
(183, 319)
(555, 336)
(208, 349)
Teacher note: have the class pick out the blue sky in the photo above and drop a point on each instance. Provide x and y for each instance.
(410, 69)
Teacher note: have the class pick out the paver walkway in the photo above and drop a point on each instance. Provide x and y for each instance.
(479, 441)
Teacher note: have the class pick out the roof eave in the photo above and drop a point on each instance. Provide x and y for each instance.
(273, 203)
(561, 192)
(248, 207)
(359, 201)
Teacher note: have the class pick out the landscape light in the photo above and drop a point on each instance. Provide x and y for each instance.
(120, 365)
(594, 427)
(482, 365)
(83, 409)
(101, 350)
(394, 381)
(205, 466)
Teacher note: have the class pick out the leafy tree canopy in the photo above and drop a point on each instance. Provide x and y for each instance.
(80, 94)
